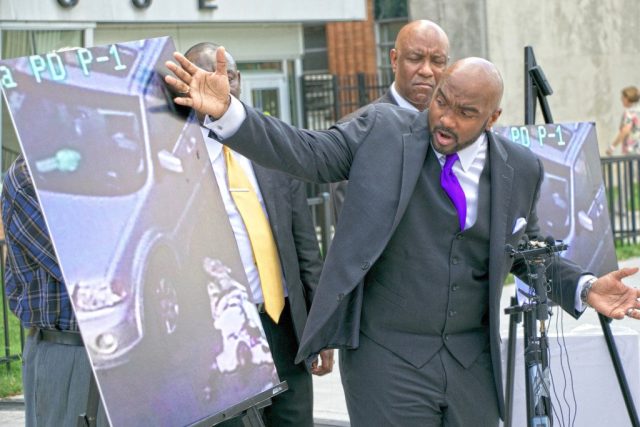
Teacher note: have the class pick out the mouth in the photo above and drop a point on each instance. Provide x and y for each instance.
(444, 138)
(424, 85)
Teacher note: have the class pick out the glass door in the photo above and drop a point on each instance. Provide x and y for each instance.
(268, 93)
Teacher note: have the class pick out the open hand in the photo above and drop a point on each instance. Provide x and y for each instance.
(612, 298)
(205, 92)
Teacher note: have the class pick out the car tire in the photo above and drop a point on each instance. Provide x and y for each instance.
(162, 309)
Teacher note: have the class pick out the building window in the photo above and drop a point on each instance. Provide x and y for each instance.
(315, 58)
(391, 15)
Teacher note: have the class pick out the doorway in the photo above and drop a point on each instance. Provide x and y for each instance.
(267, 92)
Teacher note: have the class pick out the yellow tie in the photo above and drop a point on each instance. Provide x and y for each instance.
(264, 249)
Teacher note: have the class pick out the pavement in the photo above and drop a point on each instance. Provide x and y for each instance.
(329, 405)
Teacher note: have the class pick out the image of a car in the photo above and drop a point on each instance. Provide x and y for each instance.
(119, 152)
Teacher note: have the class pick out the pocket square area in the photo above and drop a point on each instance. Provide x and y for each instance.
(519, 225)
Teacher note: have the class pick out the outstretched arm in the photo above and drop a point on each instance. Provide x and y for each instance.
(205, 92)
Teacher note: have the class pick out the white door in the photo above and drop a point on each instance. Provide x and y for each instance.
(267, 92)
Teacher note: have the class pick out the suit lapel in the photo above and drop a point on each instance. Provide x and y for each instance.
(415, 146)
(501, 183)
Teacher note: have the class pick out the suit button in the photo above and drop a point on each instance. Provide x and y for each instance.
(455, 260)
(459, 236)
(365, 265)
(446, 337)
(340, 296)
(452, 313)
(454, 288)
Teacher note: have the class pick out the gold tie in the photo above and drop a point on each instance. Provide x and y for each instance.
(264, 249)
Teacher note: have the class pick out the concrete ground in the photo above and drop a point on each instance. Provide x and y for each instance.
(330, 408)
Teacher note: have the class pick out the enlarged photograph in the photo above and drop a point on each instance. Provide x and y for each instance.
(141, 234)
(573, 205)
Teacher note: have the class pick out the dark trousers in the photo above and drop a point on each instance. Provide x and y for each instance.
(383, 389)
(293, 407)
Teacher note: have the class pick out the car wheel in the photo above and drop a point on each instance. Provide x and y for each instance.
(161, 303)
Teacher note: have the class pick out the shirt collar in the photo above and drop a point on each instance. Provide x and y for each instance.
(214, 147)
(468, 154)
(402, 102)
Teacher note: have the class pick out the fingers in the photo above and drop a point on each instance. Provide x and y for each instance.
(180, 74)
(177, 85)
(321, 370)
(624, 272)
(221, 61)
(326, 365)
(187, 65)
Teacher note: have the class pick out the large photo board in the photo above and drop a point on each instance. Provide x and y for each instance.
(573, 204)
(140, 231)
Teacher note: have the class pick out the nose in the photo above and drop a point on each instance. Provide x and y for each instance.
(446, 118)
(425, 69)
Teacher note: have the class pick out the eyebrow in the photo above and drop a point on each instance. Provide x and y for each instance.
(468, 108)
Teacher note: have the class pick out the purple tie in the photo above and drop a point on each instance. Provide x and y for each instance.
(452, 187)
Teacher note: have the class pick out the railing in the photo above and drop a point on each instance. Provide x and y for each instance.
(326, 97)
(622, 182)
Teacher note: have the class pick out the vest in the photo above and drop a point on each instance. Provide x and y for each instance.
(430, 286)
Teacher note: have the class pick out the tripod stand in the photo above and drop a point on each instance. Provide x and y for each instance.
(536, 255)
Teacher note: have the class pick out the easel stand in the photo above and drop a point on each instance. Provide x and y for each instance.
(539, 405)
(249, 410)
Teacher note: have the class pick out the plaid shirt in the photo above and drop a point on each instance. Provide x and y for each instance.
(34, 285)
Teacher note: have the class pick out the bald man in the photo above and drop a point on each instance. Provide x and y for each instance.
(410, 289)
(418, 59)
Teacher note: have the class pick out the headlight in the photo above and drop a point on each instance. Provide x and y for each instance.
(96, 295)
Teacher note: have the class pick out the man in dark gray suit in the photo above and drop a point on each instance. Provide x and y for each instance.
(284, 200)
(418, 59)
(411, 285)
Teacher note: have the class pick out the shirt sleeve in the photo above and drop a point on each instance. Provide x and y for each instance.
(582, 282)
(26, 229)
(229, 123)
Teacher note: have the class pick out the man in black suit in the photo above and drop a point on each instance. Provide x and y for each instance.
(411, 285)
(284, 200)
(418, 59)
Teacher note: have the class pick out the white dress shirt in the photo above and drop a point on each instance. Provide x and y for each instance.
(214, 148)
(468, 170)
(400, 99)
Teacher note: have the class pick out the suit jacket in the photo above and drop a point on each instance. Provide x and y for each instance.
(339, 189)
(382, 153)
(294, 233)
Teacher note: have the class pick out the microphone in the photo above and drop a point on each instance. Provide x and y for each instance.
(550, 241)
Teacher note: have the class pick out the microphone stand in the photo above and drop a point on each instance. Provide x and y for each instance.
(535, 312)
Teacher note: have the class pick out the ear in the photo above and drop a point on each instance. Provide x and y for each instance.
(493, 118)
(393, 56)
